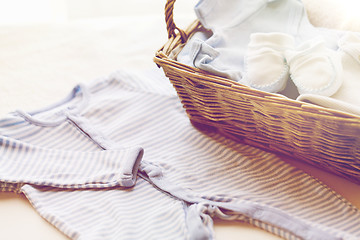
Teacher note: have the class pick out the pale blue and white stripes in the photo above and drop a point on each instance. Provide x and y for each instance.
(25, 163)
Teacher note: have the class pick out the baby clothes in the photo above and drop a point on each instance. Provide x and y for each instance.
(258, 43)
(232, 23)
(266, 68)
(346, 98)
(266, 43)
(272, 57)
(314, 68)
(349, 46)
(185, 179)
(92, 206)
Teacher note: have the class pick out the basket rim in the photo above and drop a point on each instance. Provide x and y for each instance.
(210, 79)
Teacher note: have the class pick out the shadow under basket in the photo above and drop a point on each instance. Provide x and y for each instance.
(326, 138)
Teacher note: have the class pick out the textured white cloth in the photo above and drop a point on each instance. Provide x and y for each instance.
(349, 46)
(330, 102)
(347, 97)
(265, 65)
(314, 68)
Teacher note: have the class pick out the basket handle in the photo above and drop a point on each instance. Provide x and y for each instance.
(170, 25)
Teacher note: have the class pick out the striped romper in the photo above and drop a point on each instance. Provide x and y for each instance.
(119, 159)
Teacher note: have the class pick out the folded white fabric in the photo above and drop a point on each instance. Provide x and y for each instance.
(266, 68)
(314, 68)
(347, 97)
(349, 48)
(330, 102)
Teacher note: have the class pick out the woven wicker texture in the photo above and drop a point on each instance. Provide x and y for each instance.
(326, 138)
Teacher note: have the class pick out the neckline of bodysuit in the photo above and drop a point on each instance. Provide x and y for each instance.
(79, 91)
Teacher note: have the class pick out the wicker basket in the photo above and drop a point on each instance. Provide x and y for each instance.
(326, 138)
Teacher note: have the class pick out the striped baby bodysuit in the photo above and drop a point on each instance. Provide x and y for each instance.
(185, 178)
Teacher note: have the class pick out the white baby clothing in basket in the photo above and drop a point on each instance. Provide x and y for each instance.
(233, 50)
(347, 98)
(232, 23)
(184, 180)
(272, 58)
